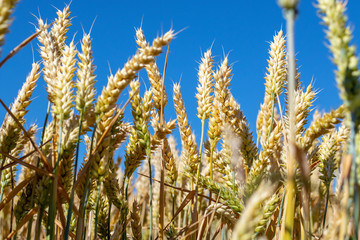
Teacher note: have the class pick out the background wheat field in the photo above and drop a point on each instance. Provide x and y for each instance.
(179, 121)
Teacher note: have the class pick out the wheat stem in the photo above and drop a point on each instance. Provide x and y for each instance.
(200, 150)
(162, 173)
(53, 193)
(124, 236)
(148, 153)
(29, 227)
(288, 226)
(97, 210)
(68, 220)
(84, 199)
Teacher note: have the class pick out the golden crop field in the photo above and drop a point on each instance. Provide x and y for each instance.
(296, 176)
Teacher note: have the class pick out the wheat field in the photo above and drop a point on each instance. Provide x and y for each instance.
(293, 177)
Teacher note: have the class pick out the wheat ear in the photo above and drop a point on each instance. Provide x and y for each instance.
(190, 151)
(6, 7)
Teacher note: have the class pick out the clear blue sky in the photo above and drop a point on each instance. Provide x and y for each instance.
(243, 28)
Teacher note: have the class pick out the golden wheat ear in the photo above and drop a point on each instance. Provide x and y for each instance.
(6, 7)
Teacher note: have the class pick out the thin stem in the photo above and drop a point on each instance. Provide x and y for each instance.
(53, 193)
(148, 153)
(354, 191)
(200, 150)
(281, 209)
(40, 214)
(326, 206)
(38, 222)
(68, 221)
(109, 218)
(84, 199)
(12, 200)
(124, 236)
(97, 210)
(288, 226)
(162, 171)
(211, 160)
(211, 166)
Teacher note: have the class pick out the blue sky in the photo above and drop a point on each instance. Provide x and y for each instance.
(241, 28)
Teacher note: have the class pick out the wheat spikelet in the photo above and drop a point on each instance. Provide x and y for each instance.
(223, 166)
(122, 78)
(6, 7)
(63, 99)
(85, 93)
(347, 63)
(245, 227)
(139, 138)
(219, 106)
(24, 204)
(135, 221)
(170, 164)
(112, 190)
(10, 132)
(205, 86)
(190, 152)
(222, 83)
(269, 154)
(322, 126)
(268, 212)
(103, 228)
(61, 26)
(153, 72)
(224, 213)
(68, 145)
(215, 122)
(274, 82)
(304, 102)
(9, 175)
(344, 55)
(275, 78)
(238, 122)
(160, 131)
(329, 153)
(50, 54)
(105, 105)
(230, 198)
(41, 190)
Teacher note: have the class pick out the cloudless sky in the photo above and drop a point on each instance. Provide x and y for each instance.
(242, 28)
